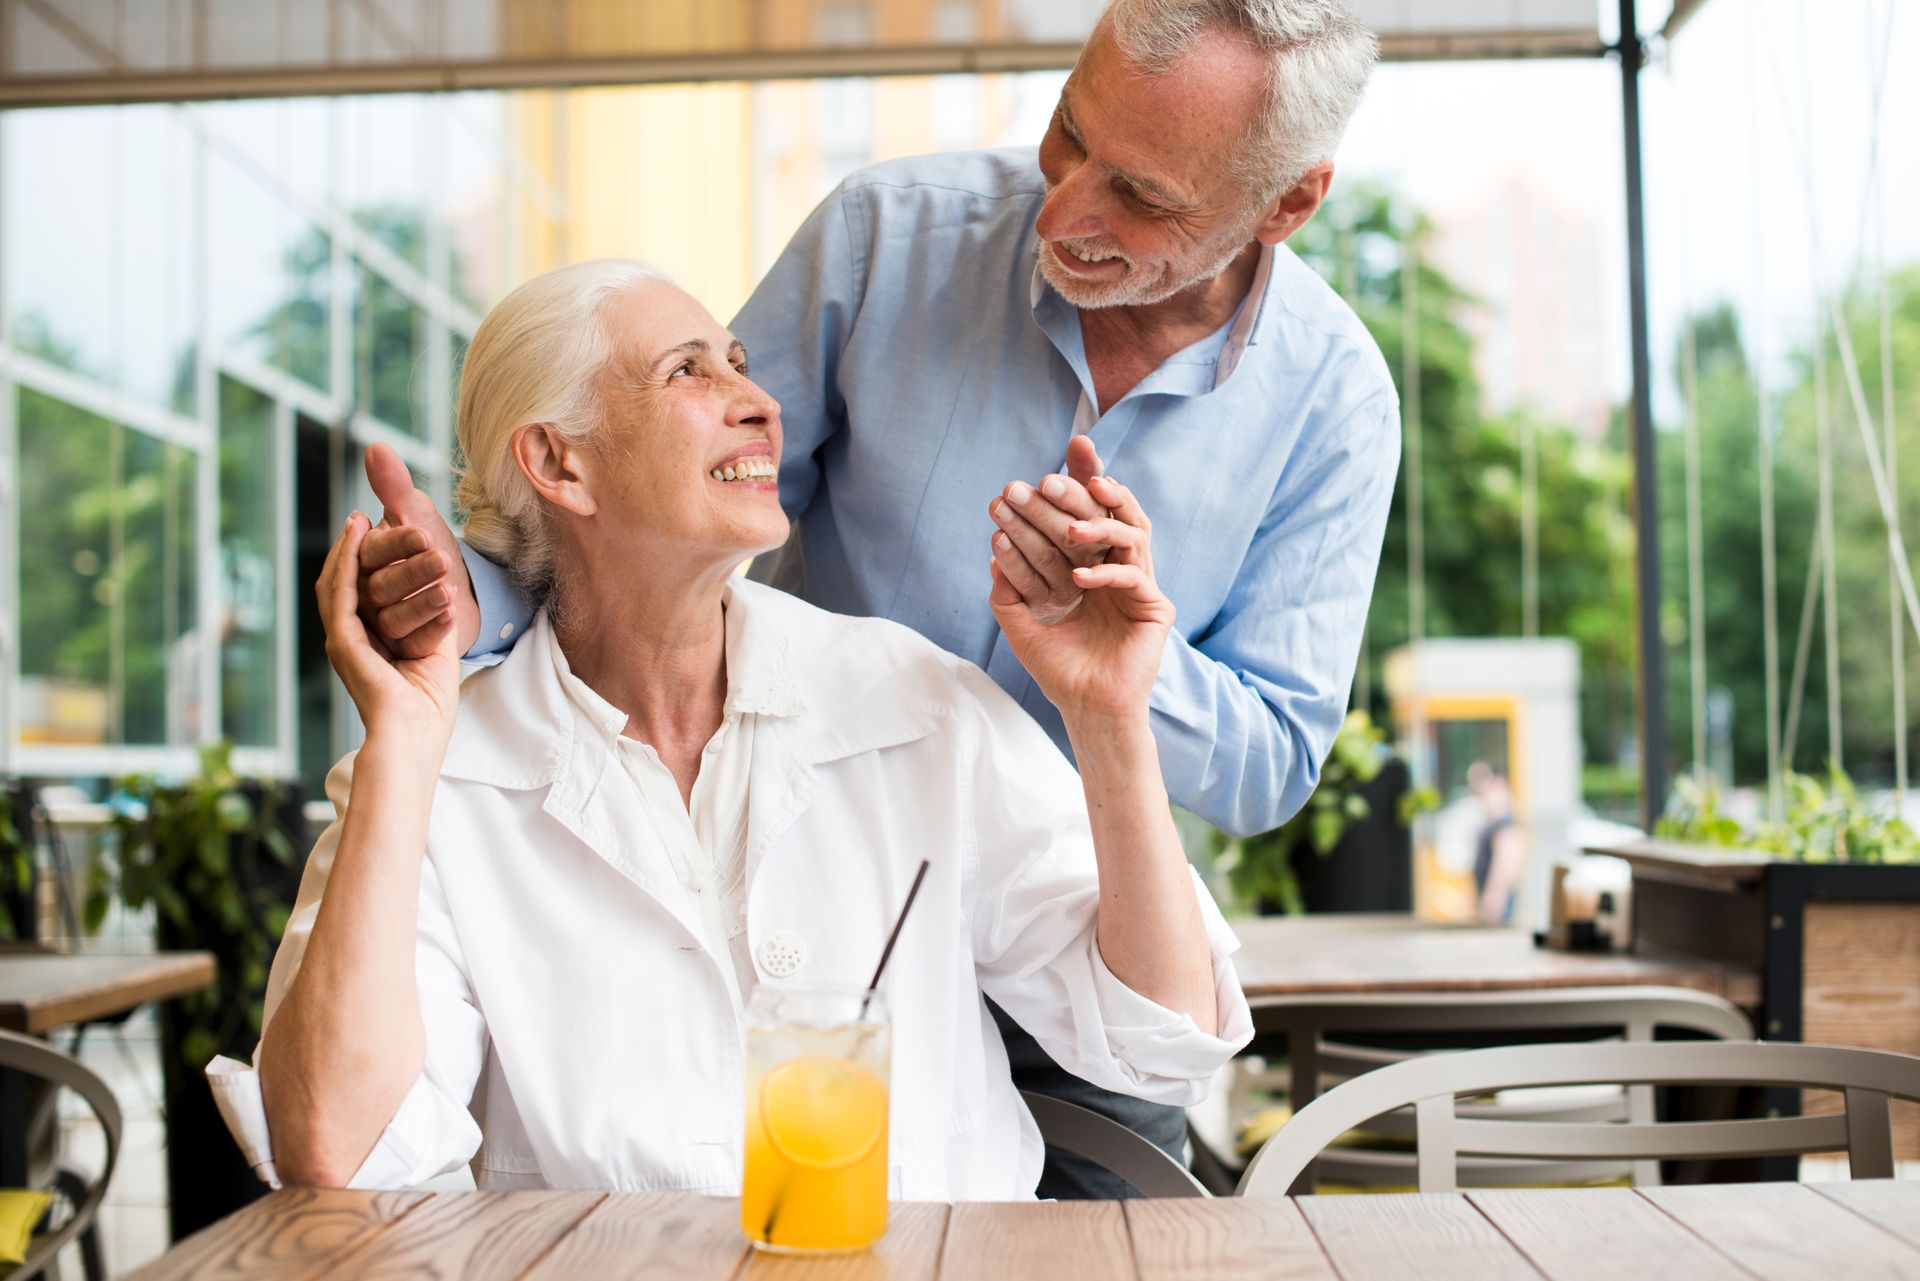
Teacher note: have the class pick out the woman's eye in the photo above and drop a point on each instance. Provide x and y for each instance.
(685, 367)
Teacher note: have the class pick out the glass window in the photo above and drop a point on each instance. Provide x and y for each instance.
(270, 274)
(389, 343)
(60, 195)
(249, 688)
(158, 597)
(386, 171)
(154, 246)
(472, 199)
(107, 650)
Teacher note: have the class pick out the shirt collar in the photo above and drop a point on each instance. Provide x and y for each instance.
(759, 673)
(1054, 314)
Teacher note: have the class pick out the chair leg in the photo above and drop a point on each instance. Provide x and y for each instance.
(93, 1259)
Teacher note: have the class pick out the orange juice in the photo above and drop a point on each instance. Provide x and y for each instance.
(816, 1132)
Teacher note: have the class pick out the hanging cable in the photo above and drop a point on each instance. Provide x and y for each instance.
(1347, 263)
(1897, 628)
(1763, 418)
(1529, 528)
(1410, 414)
(1690, 431)
(1809, 598)
(1822, 421)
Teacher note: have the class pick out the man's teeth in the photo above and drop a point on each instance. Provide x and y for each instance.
(746, 469)
(1090, 255)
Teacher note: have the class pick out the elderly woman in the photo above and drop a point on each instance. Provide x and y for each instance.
(681, 786)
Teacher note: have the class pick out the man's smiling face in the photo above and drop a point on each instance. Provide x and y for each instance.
(1141, 202)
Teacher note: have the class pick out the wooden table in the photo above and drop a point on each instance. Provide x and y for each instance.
(40, 991)
(1782, 1231)
(1369, 952)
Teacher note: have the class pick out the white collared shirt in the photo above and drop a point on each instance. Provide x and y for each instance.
(581, 1030)
(705, 837)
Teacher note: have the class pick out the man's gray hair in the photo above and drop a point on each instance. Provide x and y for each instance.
(1318, 58)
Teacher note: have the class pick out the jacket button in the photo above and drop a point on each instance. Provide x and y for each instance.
(782, 952)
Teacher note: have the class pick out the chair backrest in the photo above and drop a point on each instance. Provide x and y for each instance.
(1633, 1013)
(1867, 1079)
(1309, 1025)
(1112, 1146)
(36, 1058)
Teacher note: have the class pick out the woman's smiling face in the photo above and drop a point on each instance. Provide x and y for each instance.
(682, 416)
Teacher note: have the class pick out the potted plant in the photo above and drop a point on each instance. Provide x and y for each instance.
(1349, 848)
(218, 856)
(19, 920)
(1823, 908)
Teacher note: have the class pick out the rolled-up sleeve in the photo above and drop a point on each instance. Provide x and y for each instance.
(432, 1131)
(1035, 903)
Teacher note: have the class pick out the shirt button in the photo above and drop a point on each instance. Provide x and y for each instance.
(506, 630)
(782, 952)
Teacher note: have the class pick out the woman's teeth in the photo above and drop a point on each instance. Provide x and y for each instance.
(746, 469)
(1090, 255)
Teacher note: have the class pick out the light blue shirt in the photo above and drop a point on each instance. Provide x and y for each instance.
(921, 364)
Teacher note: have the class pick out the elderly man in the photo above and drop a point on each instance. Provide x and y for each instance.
(943, 324)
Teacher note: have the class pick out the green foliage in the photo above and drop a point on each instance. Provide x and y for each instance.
(16, 868)
(1825, 823)
(193, 850)
(1260, 868)
(1733, 586)
(1471, 470)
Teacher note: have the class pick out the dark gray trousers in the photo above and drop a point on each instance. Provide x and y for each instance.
(1071, 1178)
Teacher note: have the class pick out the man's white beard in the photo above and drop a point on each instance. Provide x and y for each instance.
(1132, 288)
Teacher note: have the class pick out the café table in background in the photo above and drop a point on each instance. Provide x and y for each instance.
(1783, 1231)
(1347, 952)
(41, 991)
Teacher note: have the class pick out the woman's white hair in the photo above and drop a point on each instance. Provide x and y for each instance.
(1319, 56)
(536, 358)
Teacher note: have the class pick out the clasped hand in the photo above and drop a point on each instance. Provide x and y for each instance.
(1074, 591)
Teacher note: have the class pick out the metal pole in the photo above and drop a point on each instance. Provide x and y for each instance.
(1652, 681)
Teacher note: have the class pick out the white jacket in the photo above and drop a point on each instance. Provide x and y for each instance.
(581, 1035)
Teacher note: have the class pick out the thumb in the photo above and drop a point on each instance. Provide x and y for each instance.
(392, 482)
(1083, 461)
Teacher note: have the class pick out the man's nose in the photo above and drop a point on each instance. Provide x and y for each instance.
(1072, 209)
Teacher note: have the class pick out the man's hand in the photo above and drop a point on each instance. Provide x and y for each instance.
(1097, 666)
(412, 575)
(1039, 555)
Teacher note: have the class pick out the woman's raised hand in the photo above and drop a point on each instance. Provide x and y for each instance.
(1100, 660)
(407, 695)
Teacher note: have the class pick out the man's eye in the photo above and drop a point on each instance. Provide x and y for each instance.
(684, 367)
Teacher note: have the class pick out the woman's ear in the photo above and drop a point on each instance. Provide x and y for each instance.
(555, 466)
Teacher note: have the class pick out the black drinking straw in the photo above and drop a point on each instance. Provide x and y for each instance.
(892, 938)
(773, 1211)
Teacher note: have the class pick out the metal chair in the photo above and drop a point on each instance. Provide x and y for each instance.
(1112, 1146)
(1868, 1079)
(35, 1058)
(1315, 1033)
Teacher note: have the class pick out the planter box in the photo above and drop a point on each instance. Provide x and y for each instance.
(1836, 946)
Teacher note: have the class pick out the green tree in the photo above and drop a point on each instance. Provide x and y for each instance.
(1471, 474)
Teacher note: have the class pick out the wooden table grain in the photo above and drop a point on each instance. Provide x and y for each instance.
(40, 991)
(1781, 1232)
(1342, 952)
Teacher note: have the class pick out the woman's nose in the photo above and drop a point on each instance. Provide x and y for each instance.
(751, 404)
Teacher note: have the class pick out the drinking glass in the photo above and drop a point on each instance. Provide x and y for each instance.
(816, 1154)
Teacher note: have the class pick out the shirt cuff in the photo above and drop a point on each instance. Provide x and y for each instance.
(1167, 1050)
(404, 1156)
(504, 612)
